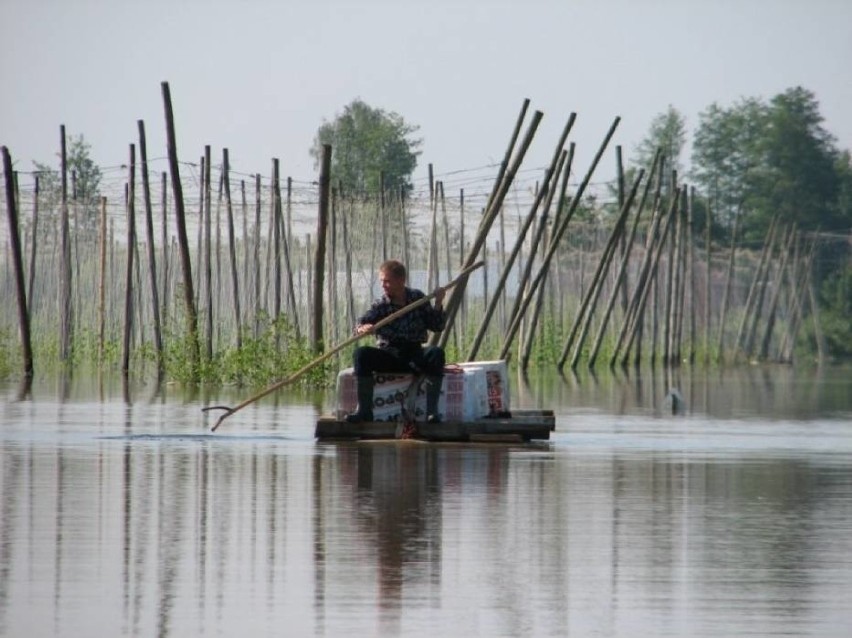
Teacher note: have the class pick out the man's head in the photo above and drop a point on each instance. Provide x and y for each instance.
(392, 277)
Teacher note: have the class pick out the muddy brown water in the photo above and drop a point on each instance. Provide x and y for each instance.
(122, 515)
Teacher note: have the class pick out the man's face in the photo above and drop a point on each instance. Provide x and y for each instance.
(392, 285)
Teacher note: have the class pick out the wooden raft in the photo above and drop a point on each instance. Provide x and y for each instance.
(522, 426)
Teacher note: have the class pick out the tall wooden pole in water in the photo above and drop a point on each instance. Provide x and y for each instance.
(180, 219)
(102, 280)
(131, 248)
(232, 249)
(66, 327)
(149, 230)
(15, 240)
(319, 256)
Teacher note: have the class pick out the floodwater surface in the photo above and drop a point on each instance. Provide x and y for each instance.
(121, 514)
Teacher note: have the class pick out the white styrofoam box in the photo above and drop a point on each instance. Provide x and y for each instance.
(464, 395)
(497, 380)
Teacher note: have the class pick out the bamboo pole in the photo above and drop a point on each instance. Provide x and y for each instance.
(748, 348)
(102, 279)
(555, 163)
(632, 317)
(277, 225)
(708, 221)
(621, 282)
(34, 245)
(164, 206)
(587, 310)
(17, 257)
(776, 294)
(495, 203)
(681, 288)
(257, 300)
(66, 313)
(285, 235)
(758, 274)
(526, 350)
(152, 260)
(625, 259)
(317, 337)
(643, 295)
(232, 246)
(245, 297)
(180, 219)
(557, 236)
(131, 246)
(726, 296)
(670, 283)
(208, 253)
(799, 300)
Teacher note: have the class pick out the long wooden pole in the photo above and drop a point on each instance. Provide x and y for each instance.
(131, 248)
(232, 247)
(557, 238)
(621, 277)
(495, 205)
(15, 240)
(66, 329)
(652, 275)
(310, 366)
(554, 169)
(149, 233)
(319, 256)
(102, 280)
(597, 283)
(180, 219)
(34, 246)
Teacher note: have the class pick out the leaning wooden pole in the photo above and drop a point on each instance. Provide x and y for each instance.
(758, 275)
(232, 247)
(561, 210)
(621, 277)
(761, 296)
(319, 256)
(776, 296)
(17, 258)
(553, 170)
(183, 241)
(555, 240)
(495, 204)
(152, 260)
(726, 295)
(652, 275)
(596, 288)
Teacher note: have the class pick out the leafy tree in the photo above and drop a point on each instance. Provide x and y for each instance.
(773, 158)
(723, 156)
(365, 142)
(84, 178)
(667, 132)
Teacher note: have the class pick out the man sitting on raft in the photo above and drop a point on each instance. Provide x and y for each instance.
(399, 344)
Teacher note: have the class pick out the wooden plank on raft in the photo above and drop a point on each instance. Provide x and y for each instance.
(527, 428)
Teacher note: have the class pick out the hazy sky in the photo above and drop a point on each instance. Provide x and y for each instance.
(260, 77)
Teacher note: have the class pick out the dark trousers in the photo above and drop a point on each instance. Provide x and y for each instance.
(412, 359)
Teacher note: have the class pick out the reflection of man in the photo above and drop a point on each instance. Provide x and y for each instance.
(399, 344)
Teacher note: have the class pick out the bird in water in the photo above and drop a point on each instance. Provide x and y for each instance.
(673, 403)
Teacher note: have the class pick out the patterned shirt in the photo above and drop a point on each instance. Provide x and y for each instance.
(410, 328)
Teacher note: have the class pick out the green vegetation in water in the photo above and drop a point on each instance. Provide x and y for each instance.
(275, 353)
